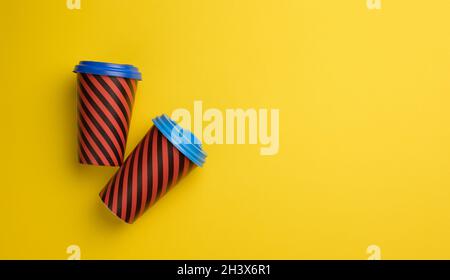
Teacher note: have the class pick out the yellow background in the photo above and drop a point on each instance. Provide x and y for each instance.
(364, 100)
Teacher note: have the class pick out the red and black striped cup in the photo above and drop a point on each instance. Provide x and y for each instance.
(106, 94)
(165, 155)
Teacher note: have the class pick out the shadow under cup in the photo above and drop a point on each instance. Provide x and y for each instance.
(161, 159)
(106, 94)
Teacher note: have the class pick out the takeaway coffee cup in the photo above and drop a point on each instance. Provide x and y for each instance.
(106, 94)
(162, 158)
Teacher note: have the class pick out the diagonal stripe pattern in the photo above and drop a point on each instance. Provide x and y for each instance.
(146, 175)
(104, 112)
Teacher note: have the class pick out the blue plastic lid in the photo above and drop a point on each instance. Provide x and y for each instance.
(183, 139)
(109, 69)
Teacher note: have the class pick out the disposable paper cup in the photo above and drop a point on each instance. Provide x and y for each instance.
(105, 100)
(163, 157)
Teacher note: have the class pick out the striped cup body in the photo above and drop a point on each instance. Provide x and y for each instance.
(150, 170)
(104, 112)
